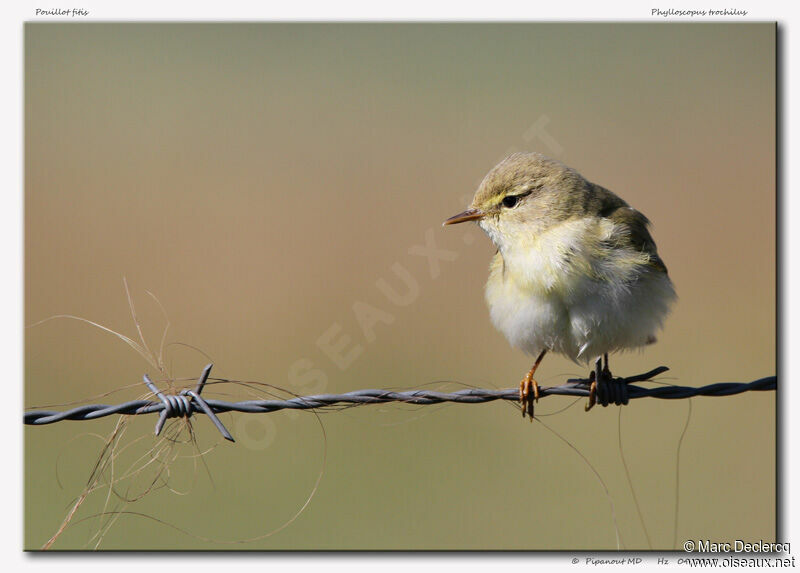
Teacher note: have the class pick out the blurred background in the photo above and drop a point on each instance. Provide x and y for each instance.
(275, 187)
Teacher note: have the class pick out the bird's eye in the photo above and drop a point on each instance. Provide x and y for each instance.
(510, 201)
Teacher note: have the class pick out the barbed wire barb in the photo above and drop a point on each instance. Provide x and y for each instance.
(183, 404)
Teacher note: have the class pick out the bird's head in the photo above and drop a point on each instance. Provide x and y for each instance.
(523, 195)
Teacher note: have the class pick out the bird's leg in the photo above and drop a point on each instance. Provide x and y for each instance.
(597, 388)
(529, 389)
(606, 371)
(592, 392)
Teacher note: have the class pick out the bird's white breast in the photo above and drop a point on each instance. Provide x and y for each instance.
(568, 291)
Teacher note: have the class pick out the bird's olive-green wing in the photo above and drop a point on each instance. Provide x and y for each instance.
(608, 205)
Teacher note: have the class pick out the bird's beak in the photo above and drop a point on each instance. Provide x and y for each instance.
(468, 215)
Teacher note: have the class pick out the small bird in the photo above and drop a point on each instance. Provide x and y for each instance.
(576, 271)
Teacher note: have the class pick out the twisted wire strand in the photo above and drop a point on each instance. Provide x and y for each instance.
(573, 387)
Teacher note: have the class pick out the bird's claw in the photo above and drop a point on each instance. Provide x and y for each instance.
(606, 389)
(592, 393)
(528, 394)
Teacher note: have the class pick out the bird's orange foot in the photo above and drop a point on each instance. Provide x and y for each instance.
(528, 394)
(592, 392)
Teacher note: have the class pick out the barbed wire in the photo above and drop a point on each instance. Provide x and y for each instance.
(189, 402)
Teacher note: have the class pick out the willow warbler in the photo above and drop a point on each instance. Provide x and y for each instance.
(576, 271)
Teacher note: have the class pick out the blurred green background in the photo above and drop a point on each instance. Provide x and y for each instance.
(262, 179)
